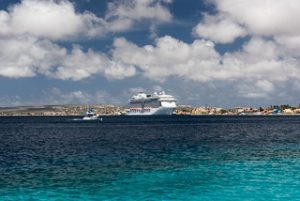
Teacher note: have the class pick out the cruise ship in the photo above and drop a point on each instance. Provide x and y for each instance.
(158, 103)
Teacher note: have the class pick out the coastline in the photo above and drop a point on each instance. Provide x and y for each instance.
(114, 110)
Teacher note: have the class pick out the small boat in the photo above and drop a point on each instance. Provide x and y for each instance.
(90, 114)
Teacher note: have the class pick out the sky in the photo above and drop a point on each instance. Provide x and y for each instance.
(221, 53)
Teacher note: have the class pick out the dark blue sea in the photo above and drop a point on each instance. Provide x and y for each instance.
(150, 158)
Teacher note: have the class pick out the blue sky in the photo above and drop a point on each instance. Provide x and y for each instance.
(222, 53)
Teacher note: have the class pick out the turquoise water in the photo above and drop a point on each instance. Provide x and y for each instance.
(210, 158)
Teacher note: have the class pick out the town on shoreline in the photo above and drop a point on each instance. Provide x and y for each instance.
(79, 110)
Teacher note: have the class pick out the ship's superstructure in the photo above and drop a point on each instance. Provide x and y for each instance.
(158, 103)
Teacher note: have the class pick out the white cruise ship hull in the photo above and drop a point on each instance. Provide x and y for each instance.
(153, 111)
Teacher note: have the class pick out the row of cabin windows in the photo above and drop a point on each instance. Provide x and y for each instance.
(151, 104)
(139, 110)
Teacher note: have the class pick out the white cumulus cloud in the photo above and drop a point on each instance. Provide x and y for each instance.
(47, 19)
(138, 10)
(265, 17)
(200, 61)
(235, 18)
(59, 20)
(259, 89)
(219, 28)
(30, 29)
(170, 57)
(267, 60)
(29, 56)
(257, 67)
